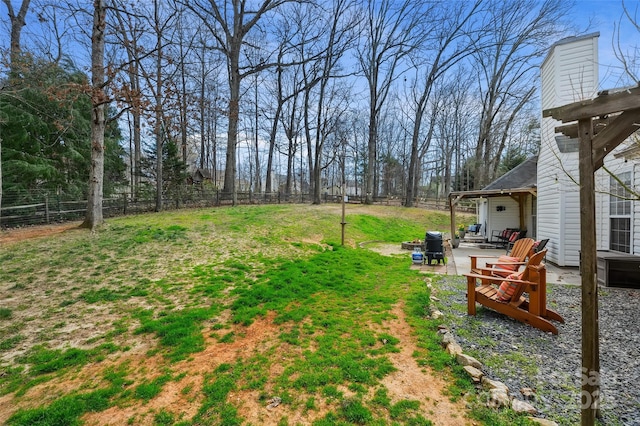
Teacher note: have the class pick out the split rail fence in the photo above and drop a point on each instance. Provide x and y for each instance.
(52, 209)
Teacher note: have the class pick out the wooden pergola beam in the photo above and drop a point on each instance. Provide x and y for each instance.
(614, 134)
(606, 103)
(571, 130)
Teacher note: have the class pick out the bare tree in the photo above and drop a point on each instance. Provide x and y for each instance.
(94, 217)
(450, 40)
(628, 56)
(506, 68)
(339, 37)
(295, 31)
(229, 24)
(129, 31)
(390, 33)
(453, 125)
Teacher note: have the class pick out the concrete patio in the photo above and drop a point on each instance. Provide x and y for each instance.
(458, 263)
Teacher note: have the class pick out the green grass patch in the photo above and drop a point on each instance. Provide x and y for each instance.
(64, 411)
(180, 332)
(44, 361)
(149, 390)
(11, 342)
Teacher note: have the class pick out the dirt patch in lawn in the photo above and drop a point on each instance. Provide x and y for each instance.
(182, 398)
(20, 234)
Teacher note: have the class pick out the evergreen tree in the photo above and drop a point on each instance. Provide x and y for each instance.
(46, 134)
(174, 170)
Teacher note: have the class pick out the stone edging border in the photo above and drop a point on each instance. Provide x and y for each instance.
(499, 395)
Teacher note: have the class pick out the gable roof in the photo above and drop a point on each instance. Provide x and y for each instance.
(524, 175)
(522, 179)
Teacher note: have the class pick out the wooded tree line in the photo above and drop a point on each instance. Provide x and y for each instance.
(403, 98)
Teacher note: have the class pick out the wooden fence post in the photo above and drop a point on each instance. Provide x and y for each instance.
(46, 208)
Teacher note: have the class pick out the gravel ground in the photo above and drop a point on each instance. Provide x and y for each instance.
(524, 357)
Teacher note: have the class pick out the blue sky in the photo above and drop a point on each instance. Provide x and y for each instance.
(604, 16)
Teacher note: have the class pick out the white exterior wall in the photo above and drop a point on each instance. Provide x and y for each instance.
(616, 166)
(635, 220)
(509, 218)
(569, 74)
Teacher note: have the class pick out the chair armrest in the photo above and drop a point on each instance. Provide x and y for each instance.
(498, 279)
(475, 257)
(506, 263)
(485, 278)
(491, 271)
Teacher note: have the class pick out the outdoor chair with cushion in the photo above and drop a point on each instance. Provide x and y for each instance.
(515, 236)
(505, 265)
(507, 295)
(475, 228)
(539, 245)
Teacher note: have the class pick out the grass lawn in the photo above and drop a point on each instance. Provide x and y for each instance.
(228, 316)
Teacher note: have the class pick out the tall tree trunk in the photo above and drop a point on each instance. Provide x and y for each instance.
(183, 106)
(413, 159)
(257, 185)
(201, 104)
(17, 22)
(307, 130)
(94, 217)
(234, 115)
(273, 133)
(133, 71)
(158, 111)
(371, 148)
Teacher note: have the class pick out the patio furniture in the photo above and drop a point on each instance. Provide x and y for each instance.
(505, 265)
(515, 236)
(502, 237)
(507, 295)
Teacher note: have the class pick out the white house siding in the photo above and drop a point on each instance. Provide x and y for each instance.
(499, 220)
(569, 74)
(616, 166)
(636, 211)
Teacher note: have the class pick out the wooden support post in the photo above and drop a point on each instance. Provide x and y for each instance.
(521, 201)
(452, 211)
(46, 209)
(343, 223)
(590, 397)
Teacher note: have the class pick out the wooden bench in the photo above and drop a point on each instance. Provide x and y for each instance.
(532, 281)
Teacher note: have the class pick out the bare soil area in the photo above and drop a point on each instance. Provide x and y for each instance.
(9, 236)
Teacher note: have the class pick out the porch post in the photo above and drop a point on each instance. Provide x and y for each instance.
(590, 374)
(452, 212)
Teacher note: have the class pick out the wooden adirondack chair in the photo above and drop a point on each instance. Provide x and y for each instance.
(532, 280)
(517, 256)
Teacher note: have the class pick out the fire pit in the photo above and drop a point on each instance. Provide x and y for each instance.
(411, 245)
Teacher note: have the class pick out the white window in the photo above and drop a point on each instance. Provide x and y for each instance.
(620, 213)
